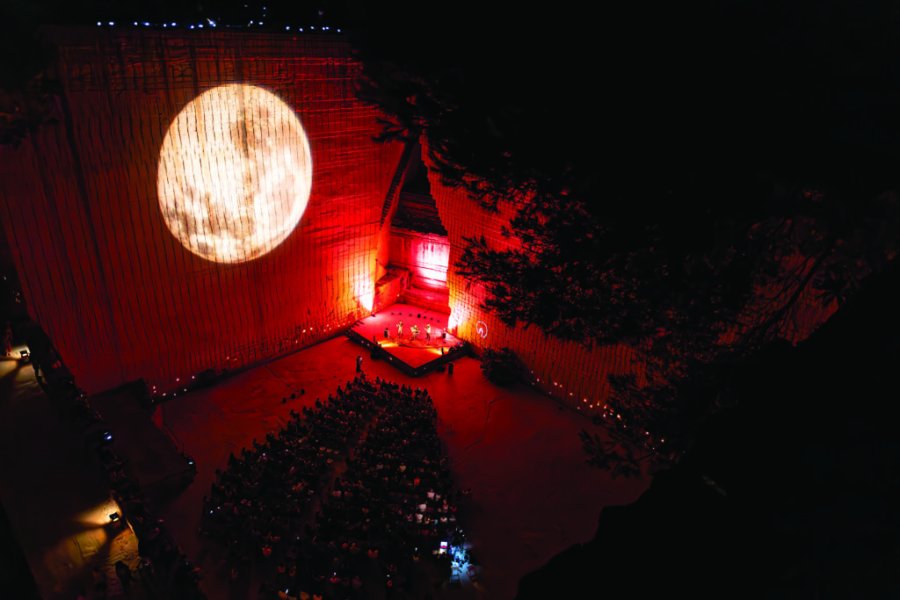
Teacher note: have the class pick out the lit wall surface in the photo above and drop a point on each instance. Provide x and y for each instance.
(425, 255)
(158, 232)
(571, 371)
(568, 369)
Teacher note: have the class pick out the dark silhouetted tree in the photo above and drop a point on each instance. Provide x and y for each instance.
(685, 180)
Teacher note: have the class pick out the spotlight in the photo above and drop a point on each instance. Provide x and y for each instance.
(114, 517)
(107, 436)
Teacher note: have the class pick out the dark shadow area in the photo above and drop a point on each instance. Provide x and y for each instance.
(792, 493)
(152, 455)
(16, 579)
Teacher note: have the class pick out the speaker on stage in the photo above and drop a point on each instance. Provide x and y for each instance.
(386, 334)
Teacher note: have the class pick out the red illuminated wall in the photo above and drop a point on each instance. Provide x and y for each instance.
(424, 255)
(120, 297)
(573, 372)
(568, 369)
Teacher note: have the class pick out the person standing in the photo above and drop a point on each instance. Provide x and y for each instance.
(99, 577)
(399, 330)
(8, 339)
(123, 572)
(427, 332)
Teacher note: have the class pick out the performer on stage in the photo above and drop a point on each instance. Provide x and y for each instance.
(427, 332)
(415, 332)
(399, 330)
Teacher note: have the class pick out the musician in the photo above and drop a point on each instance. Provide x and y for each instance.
(427, 332)
(400, 329)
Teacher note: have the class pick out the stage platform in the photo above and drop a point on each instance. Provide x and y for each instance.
(413, 355)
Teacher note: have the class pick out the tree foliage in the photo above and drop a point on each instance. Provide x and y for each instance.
(502, 366)
(685, 180)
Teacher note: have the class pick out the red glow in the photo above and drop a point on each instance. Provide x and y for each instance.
(426, 256)
(120, 297)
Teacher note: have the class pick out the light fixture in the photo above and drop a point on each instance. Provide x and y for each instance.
(114, 517)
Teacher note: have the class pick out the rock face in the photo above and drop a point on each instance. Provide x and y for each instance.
(791, 494)
(90, 213)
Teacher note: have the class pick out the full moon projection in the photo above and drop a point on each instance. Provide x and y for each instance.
(235, 172)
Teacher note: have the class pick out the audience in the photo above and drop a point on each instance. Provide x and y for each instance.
(321, 531)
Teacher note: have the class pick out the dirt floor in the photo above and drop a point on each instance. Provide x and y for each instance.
(517, 451)
(532, 494)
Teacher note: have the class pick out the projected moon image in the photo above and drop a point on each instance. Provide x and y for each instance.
(235, 172)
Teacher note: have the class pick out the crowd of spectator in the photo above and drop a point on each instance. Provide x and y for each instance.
(259, 502)
(352, 499)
